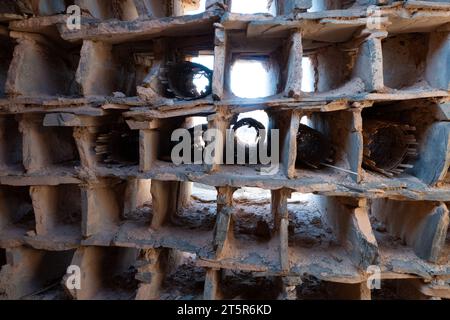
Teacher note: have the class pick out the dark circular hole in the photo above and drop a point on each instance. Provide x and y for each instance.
(189, 81)
(388, 147)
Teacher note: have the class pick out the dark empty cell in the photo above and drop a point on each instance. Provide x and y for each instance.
(59, 262)
(52, 7)
(15, 7)
(126, 10)
(118, 145)
(184, 279)
(404, 59)
(69, 204)
(47, 69)
(2, 257)
(157, 8)
(6, 53)
(61, 146)
(241, 285)
(117, 271)
(16, 208)
(10, 142)
(165, 145)
(131, 63)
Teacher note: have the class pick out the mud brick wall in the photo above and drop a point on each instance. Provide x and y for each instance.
(86, 178)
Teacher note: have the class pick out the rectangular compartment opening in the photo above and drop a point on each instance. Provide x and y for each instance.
(117, 145)
(59, 148)
(196, 126)
(322, 5)
(184, 280)
(119, 282)
(138, 206)
(394, 134)
(252, 216)
(146, 68)
(2, 258)
(58, 210)
(416, 229)
(257, 65)
(333, 69)
(254, 77)
(196, 207)
(127, 73)
(254, 6)
(324, 146)
(10, 144)
(51, 7)
(44, 283)
(16, 211)
(188, 70)
(319, 231)
(181, 216)
(124, 10)
(260, 288)
(45, 68)
(416, 61)
(307, 225)
(6, 55)
(109, 273)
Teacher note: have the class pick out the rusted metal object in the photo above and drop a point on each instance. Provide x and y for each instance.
(313, 148)
(388, 147)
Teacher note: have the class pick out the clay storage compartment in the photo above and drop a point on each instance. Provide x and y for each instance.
(340, 110)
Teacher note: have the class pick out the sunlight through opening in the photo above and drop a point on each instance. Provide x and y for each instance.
(254, 6)
(252, 79)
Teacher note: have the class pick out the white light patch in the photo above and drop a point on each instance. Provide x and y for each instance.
(250, 79)
(202, 82)
(307, 75)
(197, 121)
(253, 6)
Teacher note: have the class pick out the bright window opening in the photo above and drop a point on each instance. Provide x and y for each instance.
(306, 121)
(317, 5)
(201, 82)
(200, 9)
(252, 79)
(254, 6)
(307, 75)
